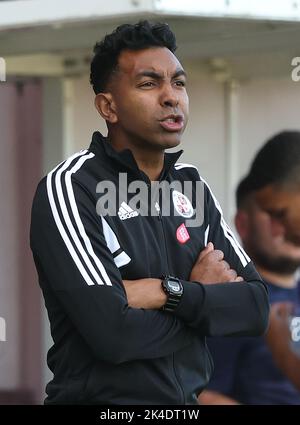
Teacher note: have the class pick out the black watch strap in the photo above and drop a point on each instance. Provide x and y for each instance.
(174, 290)
(171, 303)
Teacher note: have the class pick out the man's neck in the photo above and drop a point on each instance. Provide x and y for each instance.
(151, 165)
(150, 161)
(282, 280)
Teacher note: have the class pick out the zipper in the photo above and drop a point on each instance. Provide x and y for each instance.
(160, 218)
(164, 243)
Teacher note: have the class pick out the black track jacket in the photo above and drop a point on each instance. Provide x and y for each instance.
(104, 351)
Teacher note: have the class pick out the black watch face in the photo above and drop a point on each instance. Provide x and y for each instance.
(174, 286)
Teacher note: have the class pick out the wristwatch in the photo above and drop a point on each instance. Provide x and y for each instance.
(174, 290)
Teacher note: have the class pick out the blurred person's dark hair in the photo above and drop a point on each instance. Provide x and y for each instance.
(276, 163)
(127, 36)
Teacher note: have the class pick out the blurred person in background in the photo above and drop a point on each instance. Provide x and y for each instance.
(246, 368)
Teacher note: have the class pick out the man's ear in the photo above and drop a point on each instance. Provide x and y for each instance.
(241, 221)
(105, 105)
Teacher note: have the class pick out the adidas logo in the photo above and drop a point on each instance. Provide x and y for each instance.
(126, 212)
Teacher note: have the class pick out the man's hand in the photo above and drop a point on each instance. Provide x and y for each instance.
(211, 267)
(145, 293)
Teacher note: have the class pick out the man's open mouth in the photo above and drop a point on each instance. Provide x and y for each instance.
(172, 123)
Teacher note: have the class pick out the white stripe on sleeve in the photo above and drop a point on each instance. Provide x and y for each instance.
(61, 228)
(66, 216)
(80, 226)
(113, 244)
(122, 259)
(244, 258)
(110, 237)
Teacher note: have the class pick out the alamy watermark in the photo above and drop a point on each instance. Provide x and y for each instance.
(2, 329)
(160, 198)
(296, 71)
(2, 70)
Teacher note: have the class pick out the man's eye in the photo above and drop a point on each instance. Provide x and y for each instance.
(277, 214)
(148, 84)
(180, 83)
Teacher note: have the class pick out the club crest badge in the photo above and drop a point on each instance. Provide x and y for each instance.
(182, 205)
(182, 234)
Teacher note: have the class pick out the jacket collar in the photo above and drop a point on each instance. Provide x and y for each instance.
(125, 157)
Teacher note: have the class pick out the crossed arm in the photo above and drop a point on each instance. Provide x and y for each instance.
(210, 268)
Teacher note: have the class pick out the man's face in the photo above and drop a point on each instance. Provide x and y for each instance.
(266, 242)
(150, 98)
(283, 207)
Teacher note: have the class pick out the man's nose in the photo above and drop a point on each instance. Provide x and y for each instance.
(168, 96)
(278, 228)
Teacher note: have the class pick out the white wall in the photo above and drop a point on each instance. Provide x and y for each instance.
(267, 106)
(203, 141)
(9, 273)
(85, 117)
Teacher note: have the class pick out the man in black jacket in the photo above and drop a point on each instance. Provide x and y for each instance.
(134, 281)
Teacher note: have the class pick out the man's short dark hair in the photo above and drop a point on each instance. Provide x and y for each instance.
(133, 37)
(276, 163)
